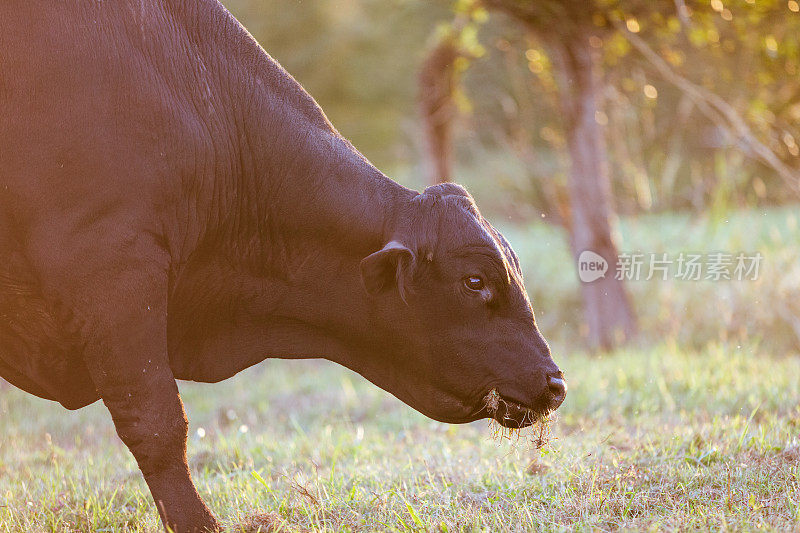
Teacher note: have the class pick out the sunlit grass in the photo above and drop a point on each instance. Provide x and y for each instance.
(647, 439)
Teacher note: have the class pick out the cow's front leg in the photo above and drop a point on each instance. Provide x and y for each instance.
(127, 357)
(150, 420)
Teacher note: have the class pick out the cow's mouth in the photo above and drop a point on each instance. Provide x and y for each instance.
(510, 413)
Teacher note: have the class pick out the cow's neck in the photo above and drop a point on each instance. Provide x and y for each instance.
(314, 195)
(298, 212)
(276, 163)
(300, 178)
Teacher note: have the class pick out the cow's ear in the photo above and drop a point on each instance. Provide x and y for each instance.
(388, 266)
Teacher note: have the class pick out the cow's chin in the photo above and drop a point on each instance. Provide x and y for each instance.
(506, 412)
(509, 413)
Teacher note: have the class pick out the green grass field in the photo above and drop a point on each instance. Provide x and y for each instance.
(648, 439)
(677, 431)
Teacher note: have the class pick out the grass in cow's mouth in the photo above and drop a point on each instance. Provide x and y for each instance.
(492, 401)
(535, 435)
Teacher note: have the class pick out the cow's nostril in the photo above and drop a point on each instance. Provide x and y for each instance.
(558, 388)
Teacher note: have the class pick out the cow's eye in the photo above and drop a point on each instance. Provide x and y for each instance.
(474, 283)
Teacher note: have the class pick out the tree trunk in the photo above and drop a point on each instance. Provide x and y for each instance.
(606, 306)
(436, 86)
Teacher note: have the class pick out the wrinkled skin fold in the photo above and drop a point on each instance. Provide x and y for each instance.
(173, 205)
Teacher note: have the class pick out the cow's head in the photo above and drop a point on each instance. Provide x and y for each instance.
(456, 320)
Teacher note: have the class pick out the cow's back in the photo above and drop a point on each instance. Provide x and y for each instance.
(82, 108)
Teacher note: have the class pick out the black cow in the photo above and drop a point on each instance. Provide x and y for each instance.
(173, 205)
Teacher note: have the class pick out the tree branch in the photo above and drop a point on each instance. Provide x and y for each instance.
(715, 108)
